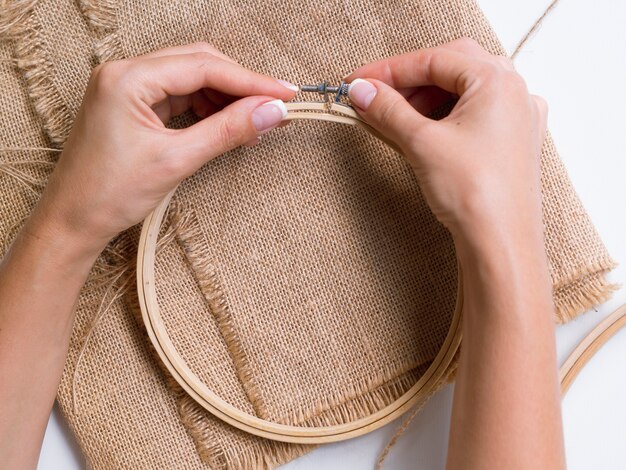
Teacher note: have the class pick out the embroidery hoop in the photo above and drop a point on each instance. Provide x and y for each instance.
(589, 346)
(146, 287)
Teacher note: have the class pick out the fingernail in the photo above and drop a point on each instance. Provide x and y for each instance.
(361, 92)
(269, 115)
(289, 85)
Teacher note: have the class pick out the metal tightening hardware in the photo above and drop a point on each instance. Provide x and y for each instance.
(325, 89)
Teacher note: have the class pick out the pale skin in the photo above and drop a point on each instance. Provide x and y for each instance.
(478, 169)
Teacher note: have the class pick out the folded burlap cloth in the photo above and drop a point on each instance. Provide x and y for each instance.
(304, 281)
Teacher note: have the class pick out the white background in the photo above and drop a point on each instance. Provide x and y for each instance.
(577, 61)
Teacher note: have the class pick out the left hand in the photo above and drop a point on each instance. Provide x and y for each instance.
(120, 159)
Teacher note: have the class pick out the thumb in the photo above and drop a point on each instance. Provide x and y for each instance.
(386, 110)
(236, 124)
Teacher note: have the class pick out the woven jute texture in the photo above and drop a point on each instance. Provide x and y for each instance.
(304, 281)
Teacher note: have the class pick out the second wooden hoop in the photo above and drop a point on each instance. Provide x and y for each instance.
(217, 406)
(588, 347)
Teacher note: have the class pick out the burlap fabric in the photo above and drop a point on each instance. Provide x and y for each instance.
(305, 281)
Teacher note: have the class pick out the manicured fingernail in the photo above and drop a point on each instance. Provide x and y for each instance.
(361, 92)
(269, 115)
(289, 85)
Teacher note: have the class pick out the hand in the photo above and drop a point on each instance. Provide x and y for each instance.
(120, 160)
(478, 167)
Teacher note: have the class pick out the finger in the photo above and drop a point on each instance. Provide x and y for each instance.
(187, 49)
(542, 109)
(542, 116)
(237, 124)
(379, 69)
(217, 98)
(427, 99)
(386, 110)
(177, 105)
(450, 70)
(253, 142)
(186, 73)
(202, 106)
(173, 106)
(467, 46)
(505, 62)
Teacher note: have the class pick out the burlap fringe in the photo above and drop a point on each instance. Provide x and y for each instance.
(16, 23)
(355, 405)
(197, 254)
(103, 19)
(603, 265)
(447, 378)
(596, 292)
(13, 14)
(13, 169)
(265, 454)
(34, 185)
(29, 149)
(114, 270)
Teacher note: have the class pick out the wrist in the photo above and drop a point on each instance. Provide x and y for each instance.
(508, 263)
(70, 245)
(499, 250)
(64, 215)
(493, 227)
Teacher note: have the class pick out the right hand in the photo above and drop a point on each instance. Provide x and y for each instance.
(478, 168)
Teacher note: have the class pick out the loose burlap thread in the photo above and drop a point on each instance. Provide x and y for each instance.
(329, 246)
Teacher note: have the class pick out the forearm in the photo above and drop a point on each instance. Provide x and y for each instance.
(40, 280)
(506, 411)
(119, 160)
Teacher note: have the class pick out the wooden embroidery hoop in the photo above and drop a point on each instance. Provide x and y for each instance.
(588, 347)
(418, 393)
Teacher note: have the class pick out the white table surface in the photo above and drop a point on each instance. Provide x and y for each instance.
(577, 61)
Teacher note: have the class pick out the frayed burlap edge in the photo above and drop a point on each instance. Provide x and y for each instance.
(447, 378)
(17, 23)
(18, 26)
(102, 16)
(571, 300)
(265, 454)
(204, 271)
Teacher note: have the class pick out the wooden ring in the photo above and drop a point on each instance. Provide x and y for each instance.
(225, 411)
(587, 348)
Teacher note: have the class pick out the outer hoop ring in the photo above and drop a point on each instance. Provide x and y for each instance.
(225, 411)
(588, 347)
